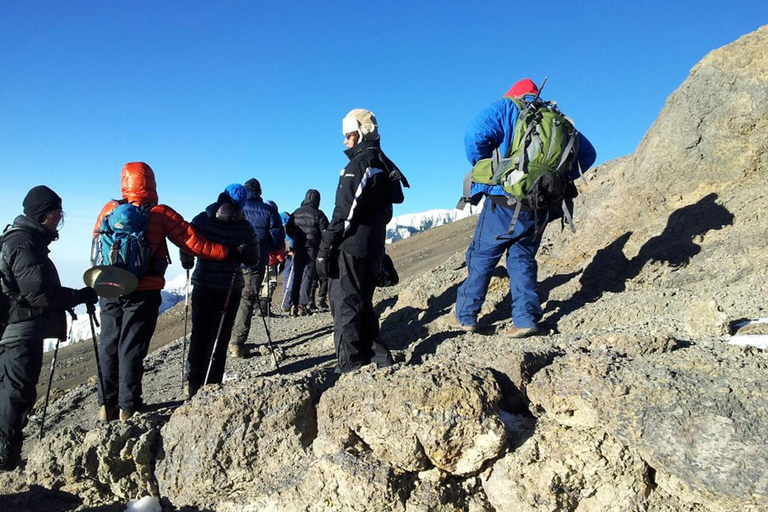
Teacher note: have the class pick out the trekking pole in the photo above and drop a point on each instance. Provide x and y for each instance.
(186, 317)
(269, 337)
(221, 325)
(50, 373)
(269, 299)
(95, 323)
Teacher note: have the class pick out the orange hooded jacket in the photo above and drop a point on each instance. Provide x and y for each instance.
(139, 188)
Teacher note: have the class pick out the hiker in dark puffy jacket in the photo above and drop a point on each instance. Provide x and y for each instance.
(306, 227)
(38, 305)
(265, 220)
(494, 128)
(353, 245)
(217, 286)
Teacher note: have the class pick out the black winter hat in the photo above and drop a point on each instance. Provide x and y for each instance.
(253, 186)
(39, 201)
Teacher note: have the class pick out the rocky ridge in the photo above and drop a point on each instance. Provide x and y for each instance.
(633, 402)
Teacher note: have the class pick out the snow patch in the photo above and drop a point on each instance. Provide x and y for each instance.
(754, 340)
(145, 504)
(404, 226)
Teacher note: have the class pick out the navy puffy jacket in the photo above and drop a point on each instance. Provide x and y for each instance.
(267, 224)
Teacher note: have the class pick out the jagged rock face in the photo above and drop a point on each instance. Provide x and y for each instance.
(120, 457)
(697, 413)
(415, 418)
(221, 442)
(561, 468)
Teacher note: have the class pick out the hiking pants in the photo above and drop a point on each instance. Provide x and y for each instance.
(288, 279)
(485, 251)
(127, 326)
(21, 360)
(319, 285)
(207, 307)
(355, 323)
(304, 266)
(247, 303)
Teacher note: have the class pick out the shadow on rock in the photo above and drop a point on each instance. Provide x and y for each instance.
(408, 324)
(610, 270)
(38, 498)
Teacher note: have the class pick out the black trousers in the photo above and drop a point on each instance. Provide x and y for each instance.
(207, 307)
(304, 273)
(355, 323)
(320, 285)
(21, 360)
(247, 303)
(127, 326)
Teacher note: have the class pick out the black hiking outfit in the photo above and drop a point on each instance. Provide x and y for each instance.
(212, 281)
(306, 227)
(354, 240)
(38, 305)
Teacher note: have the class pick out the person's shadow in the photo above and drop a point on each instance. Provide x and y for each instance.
(610, 269)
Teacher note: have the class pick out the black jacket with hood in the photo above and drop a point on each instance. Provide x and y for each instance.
(31, 281)
(368, 187)
(307, 223)
(223, 222)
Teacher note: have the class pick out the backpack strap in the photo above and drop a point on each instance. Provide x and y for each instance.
(466, 192)
(567, 151)
(568, 217)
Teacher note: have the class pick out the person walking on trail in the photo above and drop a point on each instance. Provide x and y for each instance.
(217, 286)
(507, 224)
(352, 247)
(305, 226)
(128, 322)
(37, 303)
(265, 220)
(274, 266)
(288, 266)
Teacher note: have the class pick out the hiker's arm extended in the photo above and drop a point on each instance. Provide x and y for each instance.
(184, 236)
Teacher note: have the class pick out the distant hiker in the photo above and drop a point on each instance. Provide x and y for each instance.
(265, 220)
(37, 311)
(305, 226)
(352, 247)
(275, 265)
(507, 223)
(128, 322)
(288, 266)
(218, 284)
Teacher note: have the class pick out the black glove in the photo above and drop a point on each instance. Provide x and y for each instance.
(187, 260)
(87, 295)
(327, 266)
(237, 253)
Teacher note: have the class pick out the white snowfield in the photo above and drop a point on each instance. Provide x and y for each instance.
(755, 340)
(404, 226)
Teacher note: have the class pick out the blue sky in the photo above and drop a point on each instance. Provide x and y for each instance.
(210, 93)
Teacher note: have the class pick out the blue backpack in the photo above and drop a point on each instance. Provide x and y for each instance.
(121, 240)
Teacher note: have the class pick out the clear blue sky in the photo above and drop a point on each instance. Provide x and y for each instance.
(210, 93)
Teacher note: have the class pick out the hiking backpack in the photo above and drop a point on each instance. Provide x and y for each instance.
(121, 240)
(5, 301)
(544, 148)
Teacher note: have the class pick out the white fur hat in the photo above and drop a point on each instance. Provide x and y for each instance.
(361, 121)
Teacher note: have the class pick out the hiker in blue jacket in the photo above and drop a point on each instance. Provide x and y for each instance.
(265, 220)
(288, 269)
(493, 129)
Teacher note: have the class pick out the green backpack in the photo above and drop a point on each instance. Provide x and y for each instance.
(544, 148)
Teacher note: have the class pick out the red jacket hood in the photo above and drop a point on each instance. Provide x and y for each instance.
(138, 183)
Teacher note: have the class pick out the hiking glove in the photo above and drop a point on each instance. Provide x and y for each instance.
(187, 260)
(326, 264)
(87, 296)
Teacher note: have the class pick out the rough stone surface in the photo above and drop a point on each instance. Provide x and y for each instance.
(416, 417)
(217, 444)
(697, 413)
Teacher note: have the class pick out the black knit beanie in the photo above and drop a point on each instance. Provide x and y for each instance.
(39, 201)
(253, 186)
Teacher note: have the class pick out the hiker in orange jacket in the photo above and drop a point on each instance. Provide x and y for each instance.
(128, 322)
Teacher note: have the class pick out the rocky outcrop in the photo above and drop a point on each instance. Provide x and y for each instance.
(698, 414)
(415, 418)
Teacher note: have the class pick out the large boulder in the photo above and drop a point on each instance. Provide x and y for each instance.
(439, 414)
(697, 413)
(226, 438)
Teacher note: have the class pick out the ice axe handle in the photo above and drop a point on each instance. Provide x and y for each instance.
(91, 308)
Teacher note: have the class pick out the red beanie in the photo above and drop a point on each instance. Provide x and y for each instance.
(521, 88)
